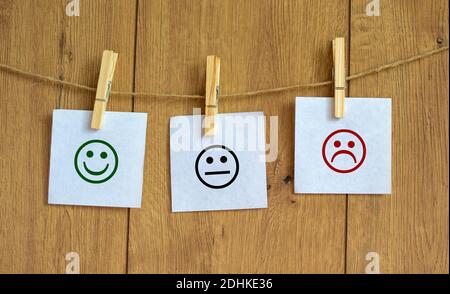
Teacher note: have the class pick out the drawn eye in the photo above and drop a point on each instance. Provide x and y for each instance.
(337, 144)
(209, 160)
(223, 159)
(103, 155)
(89, 154)
(351, 144)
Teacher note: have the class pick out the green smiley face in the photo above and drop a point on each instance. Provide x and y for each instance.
(96, 161)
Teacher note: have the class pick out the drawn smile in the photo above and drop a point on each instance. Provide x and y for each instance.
(343, 152)
(95, 173)
(225, 172)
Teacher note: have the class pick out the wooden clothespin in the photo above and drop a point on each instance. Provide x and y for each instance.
(105, 78)
(339, 76)
(211, 93)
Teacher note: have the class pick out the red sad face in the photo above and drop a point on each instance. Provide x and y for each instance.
(344, 151)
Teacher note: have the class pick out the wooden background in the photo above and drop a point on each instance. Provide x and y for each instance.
(162, 47)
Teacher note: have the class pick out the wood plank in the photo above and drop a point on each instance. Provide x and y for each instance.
(409, 230)
(39, 37)
(262, 44)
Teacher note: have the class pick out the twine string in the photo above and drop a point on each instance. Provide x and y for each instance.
(359, 75)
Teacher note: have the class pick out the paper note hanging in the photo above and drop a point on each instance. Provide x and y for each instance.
(348, 156)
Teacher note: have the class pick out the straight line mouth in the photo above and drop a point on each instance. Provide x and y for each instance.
(225, 172)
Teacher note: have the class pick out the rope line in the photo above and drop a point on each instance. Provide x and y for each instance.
(234, 95)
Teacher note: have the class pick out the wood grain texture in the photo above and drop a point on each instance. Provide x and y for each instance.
(262, 44)
(409, 229)
(39, 37)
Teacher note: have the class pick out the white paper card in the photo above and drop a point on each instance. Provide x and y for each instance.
(220, 172)
(351, 155)
(97, 167)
